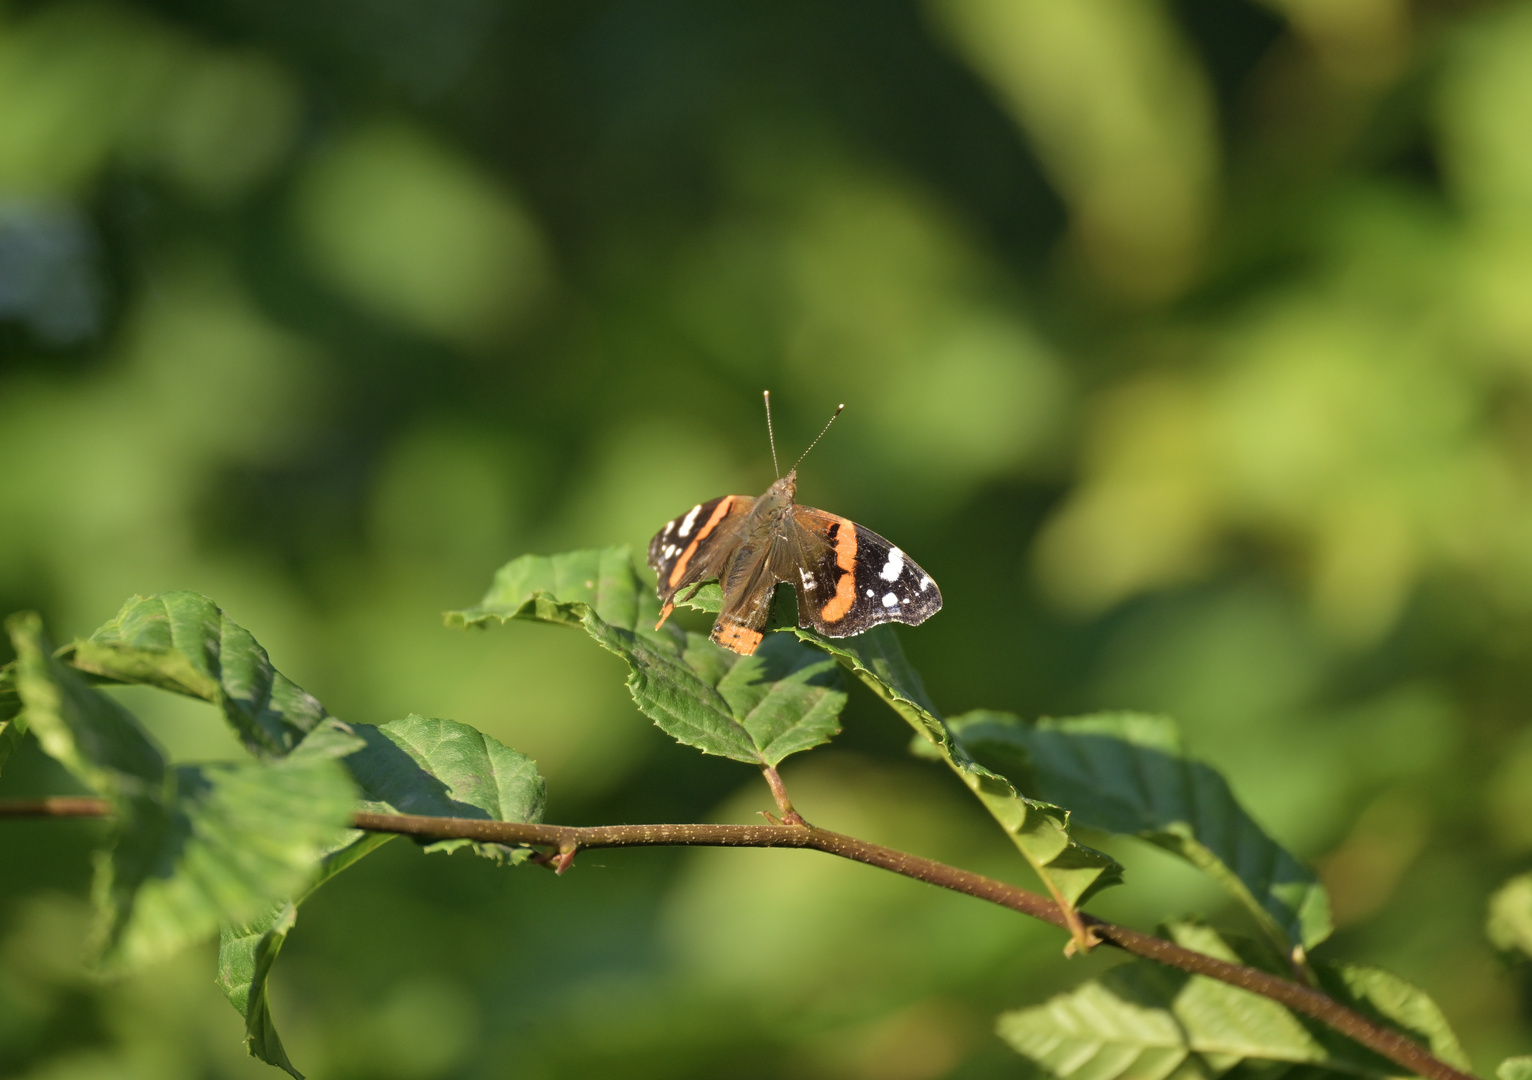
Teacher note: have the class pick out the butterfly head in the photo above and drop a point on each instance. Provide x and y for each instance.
(785, 486)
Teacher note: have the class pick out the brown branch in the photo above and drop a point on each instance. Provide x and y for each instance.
(567, 839)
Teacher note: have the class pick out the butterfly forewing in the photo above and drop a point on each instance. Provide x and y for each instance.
(850, 579)
(695, 546)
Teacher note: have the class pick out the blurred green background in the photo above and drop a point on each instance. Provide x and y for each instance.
(1188, 345)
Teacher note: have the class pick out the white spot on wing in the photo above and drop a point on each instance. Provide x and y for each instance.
(890, 600)
(893, 567)
(690, 520)
(924, 581)
(808, 579)
(668, 526)
(869, 592)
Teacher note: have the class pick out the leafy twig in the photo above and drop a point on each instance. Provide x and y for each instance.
(566, 839)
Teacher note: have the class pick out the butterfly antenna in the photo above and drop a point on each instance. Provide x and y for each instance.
(821, 435)
(769, 434)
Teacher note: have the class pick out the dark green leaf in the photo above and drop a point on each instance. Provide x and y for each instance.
(441, 768)
(182, 641)
(12, 725)
(247, 952)
(10, 699)
(1510, 917)
(417, 765)
(1128, 773)
(758, 709)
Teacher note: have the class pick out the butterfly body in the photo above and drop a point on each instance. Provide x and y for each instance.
(848, 578)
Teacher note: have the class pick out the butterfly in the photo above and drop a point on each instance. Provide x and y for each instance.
(848, 578)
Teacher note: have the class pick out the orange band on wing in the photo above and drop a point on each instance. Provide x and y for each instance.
(845, 587)
(691, 549)
(734, 636)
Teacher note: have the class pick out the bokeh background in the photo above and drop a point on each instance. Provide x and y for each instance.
(1187, 344)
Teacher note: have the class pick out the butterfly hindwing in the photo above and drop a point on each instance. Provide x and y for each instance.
(850, 579)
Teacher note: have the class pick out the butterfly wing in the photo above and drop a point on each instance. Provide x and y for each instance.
(850, 579)
(696, 546)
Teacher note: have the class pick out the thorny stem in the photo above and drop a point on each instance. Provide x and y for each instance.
(565, 840)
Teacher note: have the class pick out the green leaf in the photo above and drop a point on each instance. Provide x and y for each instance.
(441, 768)
(1515, 1068)
(1145, 1021)
(247, 952)
(91, 735)
(417, 765)
(1510, 917)
(757, 709)
(226, 842)
(12, 724)
(1039, 829)
(195, 845)
(1391, 1001)
(1128, 773)
(764, 707)
(182, 641)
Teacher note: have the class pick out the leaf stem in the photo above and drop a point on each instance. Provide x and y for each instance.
(779, 792)
(566, 839)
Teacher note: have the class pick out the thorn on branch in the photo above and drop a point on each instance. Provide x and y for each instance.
(1302, 972)
(1083, 937)
(784, 804)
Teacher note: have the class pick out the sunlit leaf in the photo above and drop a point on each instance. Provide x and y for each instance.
(227, 840)
(1039, 829)
(1144, 1021)
(1391, 1001)
(1128, 773)
(785, 698)
(1510, 917)
(1515, 1068)
(91, 735)
(417, 765)
(182, 641)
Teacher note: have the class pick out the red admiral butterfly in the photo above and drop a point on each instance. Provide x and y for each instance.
(848, 579)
